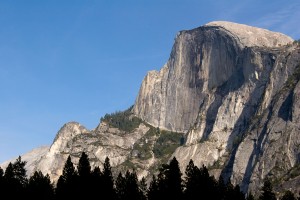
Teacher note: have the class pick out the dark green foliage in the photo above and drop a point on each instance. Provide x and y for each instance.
(195, 181)
(1, 179)
(166, 143)
(145, 148)
(199, 183)
(85, 181)
(66, 184)
(174, 179)
(153, 192)
(238, 194)
(192, 182)
(221, 188)
(1, 174)
(123, 120)
(233, 192)
(228, 191)
(127, 187)
(96, 182)
(87, 184)
(20, 171)
(108, 187)
(288, 195)
(267, 191)
(40, 187)
(132, 187)
(250, 196)
(120, 186)
(69, 171)
(84, 167)
(143, 188)
(169, 181)
(15, 180)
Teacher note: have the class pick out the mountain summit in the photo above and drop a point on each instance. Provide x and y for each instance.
(252, 36)
(228, 98)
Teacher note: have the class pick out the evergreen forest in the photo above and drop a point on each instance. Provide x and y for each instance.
(83, 182)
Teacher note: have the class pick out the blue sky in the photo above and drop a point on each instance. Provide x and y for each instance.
(74, 60)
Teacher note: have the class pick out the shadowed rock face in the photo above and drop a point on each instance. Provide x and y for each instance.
(219, 79)
(233, 89)
(171, 98)
(201, 60)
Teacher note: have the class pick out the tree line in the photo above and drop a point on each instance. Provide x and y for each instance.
(86, 183)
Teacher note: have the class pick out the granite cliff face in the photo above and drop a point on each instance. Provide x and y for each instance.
(104, 141)
(231, 90)
(219, 80)
(201, 60)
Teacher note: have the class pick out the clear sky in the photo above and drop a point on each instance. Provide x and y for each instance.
(75, 60)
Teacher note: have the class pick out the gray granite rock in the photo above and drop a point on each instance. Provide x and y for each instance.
(232, 89)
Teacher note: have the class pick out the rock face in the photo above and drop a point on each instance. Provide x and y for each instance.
(104, 141)
(32, 158)
(232, 89)
(221, 78)
(201, 60)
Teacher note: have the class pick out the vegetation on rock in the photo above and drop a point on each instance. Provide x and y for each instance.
(123, 120)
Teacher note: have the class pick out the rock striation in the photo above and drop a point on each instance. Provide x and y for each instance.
(219, 78)
(201, 60)
(231, 89)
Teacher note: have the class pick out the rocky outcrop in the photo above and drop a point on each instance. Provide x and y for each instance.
(201, 60)
(139, 149)
(219, 78)
(104, 141)
(271, 146)
(31, 158)
(232, 89)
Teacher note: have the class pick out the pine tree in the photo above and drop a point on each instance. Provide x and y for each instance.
(229, 191)
(221, 188)
(84, 167)
(143, 188)
(267, 191)
(169, 181)
(66, 184)
(9, 172)
(153, 193)
(84, 177)
(1, 174)
(238, 194)
(233, 192)
(127, 187)
(40, 187)
(132, 191)
(175, 179)
(15, 179)
(20, 171)
(192, 182)
(250, 196)
(288, 195)
(9, 182)
(120, 186)
(1, 179)
(96, 182)
(209, 185)
(108, 181)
